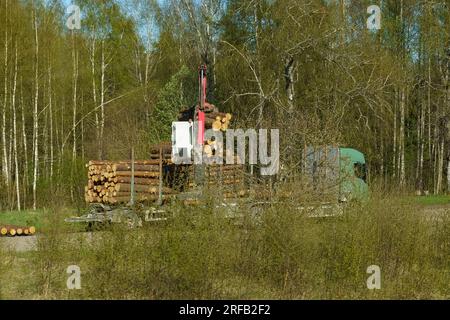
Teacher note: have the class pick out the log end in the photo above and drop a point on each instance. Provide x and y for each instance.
(32, 230)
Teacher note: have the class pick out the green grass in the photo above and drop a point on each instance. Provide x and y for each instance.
(41, 219)
(22, 218)
(432, 199)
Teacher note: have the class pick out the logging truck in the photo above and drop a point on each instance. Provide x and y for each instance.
(194, 166)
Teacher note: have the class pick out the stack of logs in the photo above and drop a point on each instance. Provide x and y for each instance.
(215, 120)
(110, 181)
(163, 149)
(227, 179)
(218, 121)
(10, 230)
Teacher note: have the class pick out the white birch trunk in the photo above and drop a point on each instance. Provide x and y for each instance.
(5, 169)
(74, 97)
(94, 88)
(394, 153)
(35, 114)
(16, 161)
(440, 167)
(50, 106)
(402, 138)
(26, 181)
(102, 100)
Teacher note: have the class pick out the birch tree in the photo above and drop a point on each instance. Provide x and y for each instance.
(35, 110)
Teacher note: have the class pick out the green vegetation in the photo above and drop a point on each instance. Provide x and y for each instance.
(43, 220)
(170, 102)
(22, 218)
(432, 199)
(317, 74)
(199, 255)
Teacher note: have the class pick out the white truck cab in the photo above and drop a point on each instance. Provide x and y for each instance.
(182, 141)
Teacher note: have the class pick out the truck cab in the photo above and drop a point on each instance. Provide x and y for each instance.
(336, 174)
(353, 184)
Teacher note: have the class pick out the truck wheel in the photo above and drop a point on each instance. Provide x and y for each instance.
(96, 226)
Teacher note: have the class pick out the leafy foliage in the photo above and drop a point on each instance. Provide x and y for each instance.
(171, 101)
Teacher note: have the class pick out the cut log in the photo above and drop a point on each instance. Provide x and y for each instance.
(137, 180)
(32, 230)
(140, 188)
(165, 146)
(217, 125)
(101, 162)
(166, 156)
(207, 150)
(117, 194)
(146, 174)
(113, 180)
(224, 126)
(215, 115)
(137, 167)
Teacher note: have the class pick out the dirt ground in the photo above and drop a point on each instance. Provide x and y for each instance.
(19, 244)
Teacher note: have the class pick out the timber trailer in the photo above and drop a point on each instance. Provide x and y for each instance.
(118, 191)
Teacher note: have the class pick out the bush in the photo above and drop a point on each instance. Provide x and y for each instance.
(199, 254)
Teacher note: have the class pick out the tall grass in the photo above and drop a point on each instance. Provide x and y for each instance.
(200, 254)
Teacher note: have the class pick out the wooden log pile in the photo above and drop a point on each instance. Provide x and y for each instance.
(110, 181)
(227, 179)
(13, 231)
(164, 149)
(217, 121)
(213, 120)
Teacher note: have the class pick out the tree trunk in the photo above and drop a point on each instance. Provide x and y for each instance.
(50, 106)
(26, 181)
(440, 167)
(16, 161)
(421, 145)
(74, 97)
(5, 169)
(402, 138)
(447, 122)
(289, 78)
(394, 152)
(429, 109)
(94, 94)
(35, 112)
(102, 100)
